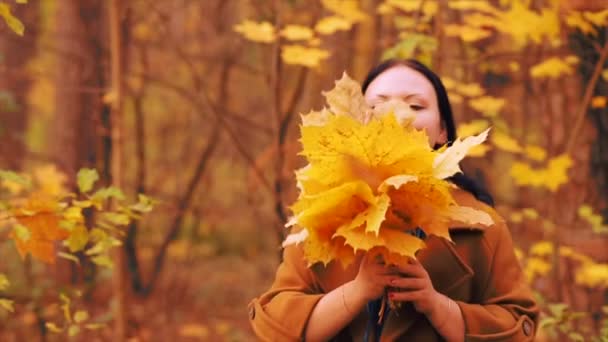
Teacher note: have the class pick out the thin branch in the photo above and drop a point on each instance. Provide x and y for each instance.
(183, 204)
(582, 111)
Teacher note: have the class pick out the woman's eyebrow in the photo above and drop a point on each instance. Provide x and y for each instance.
(402, 96)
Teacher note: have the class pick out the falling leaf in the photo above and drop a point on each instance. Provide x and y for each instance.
(302, 55)
(262, 32)
(332, 24)
(297, 32)
(551, 68)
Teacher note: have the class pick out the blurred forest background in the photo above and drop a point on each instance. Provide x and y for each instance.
(195, 104)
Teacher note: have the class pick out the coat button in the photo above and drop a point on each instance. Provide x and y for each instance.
(527, 326)
(251, 312)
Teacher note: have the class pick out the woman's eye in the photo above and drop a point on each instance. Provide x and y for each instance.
(416, 107)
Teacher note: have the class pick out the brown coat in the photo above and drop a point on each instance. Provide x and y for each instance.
(479, 271)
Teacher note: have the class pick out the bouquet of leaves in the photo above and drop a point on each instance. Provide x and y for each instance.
(371, 179)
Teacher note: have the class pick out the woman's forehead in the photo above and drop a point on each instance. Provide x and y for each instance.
(400, 81)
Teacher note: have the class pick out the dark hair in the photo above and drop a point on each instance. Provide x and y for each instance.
(445, 111)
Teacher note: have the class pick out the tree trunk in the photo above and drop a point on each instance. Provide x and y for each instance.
(15, 83)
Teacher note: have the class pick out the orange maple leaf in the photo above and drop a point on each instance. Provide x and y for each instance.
(39, 216)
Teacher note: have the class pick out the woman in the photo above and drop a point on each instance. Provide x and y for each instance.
(471, 290)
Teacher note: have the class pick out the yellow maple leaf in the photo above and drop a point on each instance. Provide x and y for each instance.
(263, 32)
(194, 330)
(371, 175)
(550, 177)
(479, 150)
(599, 102)
(599, 18)
(426, 7)
(469, 89)
(488, 105)
(551, 68)
(348, 9)
(542, 249)
(468, 34)
(473, 5)
(595, 220)
(578, 21)
(449, 83)
(302, 55)
(536, 153)
(50, 180)
(480, 20)
(332, 24)
(525, 24)
(297, 32)
(446, 163)
(592, 275)
(505, 142)
(536, 267)
(473, 127)
(346, 99)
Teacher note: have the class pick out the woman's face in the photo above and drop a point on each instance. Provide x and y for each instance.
(408, 85)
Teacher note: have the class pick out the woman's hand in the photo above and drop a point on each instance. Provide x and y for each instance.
(415, 286)
(373, 277)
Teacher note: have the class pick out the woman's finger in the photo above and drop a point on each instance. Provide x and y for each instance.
(405, 296)
(408, 283)
(413, 270)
